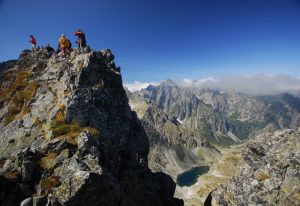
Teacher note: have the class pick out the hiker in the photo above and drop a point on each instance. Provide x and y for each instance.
(50, 50)
(70, 45)
(81, 42)
(33, 42)
(64, 44)
(58, 49)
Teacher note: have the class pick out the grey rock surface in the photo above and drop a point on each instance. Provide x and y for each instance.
(67, 131)
(270, 175)
(27, 202)
(39, 201)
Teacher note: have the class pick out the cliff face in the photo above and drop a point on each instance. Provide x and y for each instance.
(68, 136)
(173, 148)
(270, 175)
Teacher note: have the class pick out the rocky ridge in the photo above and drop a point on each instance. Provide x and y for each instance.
(69, 137)
(224, 117)
(270, 175)
(183, 104)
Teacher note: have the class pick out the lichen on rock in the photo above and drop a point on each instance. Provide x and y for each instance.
(270, 175)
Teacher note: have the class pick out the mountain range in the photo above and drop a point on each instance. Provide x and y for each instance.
(70, 134)
(190, 126)
(224, 117)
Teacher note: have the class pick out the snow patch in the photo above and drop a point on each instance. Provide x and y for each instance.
(180, 121)
(233, 137)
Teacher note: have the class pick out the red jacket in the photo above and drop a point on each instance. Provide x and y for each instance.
(78, 33)
(32, 40)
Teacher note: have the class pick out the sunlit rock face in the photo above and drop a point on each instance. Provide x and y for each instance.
(222, 116)
(270, 175)
(68, 135)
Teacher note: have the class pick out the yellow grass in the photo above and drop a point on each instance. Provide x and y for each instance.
(224, 169)
(37, 122)
(12, 175)
(48, 161)
(48, 183)
(93, 131)
(60, 115)
(261, 176)
(18, 93)
(69, 131)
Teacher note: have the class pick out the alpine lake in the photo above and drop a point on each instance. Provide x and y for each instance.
(190, 176)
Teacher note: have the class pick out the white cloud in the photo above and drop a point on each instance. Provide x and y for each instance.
(259, 84)
(205, 82)
(137, 86)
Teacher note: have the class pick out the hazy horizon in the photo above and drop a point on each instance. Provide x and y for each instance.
(259, 84)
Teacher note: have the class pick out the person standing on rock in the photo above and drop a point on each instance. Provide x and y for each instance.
(80, 39)
(64, 45)
(33, 42)
(50, 50)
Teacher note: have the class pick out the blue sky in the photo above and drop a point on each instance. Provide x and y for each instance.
(159, 39)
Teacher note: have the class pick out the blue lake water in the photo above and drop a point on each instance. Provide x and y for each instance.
(190, 176)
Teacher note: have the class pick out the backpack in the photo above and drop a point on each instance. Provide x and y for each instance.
(69, 44)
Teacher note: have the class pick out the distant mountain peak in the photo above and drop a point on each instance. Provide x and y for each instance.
(169, 82)
(214, 112)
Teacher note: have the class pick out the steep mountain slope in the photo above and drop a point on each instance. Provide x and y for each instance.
(282, 110)
(270, 175)
(7, 65)
(224, 117)
(68, 136)
(232, 104)
(173, 148)
(184, 105)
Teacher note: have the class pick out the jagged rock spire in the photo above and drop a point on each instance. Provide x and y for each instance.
(68, 135)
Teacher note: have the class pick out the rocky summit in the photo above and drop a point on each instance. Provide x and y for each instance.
(69, 137)
(270, 176)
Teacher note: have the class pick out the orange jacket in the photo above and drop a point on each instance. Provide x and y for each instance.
(64, 43)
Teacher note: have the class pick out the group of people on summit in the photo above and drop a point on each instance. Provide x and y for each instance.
(64, 45)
